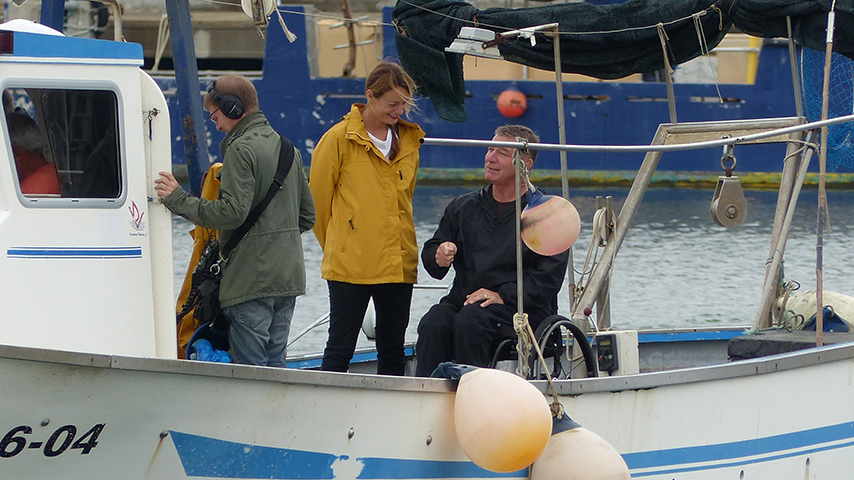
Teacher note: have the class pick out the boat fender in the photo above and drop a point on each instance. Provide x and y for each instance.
(831, 323)
(503, 423)
(550, 224)
(512, 102)
(802, 305)
(575, 453)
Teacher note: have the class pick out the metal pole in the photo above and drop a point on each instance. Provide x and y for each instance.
(799, 109)
(189, 93)
(671, 98)
(53, 14)
(561, 130)
(520, 309)
(769, 128)
(822, 194)
(603, 302)
(633, 200)
(785, 200)
(779, 247)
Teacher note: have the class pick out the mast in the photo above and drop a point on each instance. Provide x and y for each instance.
(189, 95)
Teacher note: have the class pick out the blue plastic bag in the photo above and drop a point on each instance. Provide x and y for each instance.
(203, 351)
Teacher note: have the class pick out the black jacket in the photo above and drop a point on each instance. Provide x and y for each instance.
(486, 256)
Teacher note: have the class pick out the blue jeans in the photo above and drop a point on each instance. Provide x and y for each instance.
(259, 330)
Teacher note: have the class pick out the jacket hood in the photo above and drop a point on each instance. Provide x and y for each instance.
(356, 131)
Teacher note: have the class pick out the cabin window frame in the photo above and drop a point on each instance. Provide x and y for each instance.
(42, 85)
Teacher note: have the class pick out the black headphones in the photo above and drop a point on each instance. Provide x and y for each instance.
(230, 106)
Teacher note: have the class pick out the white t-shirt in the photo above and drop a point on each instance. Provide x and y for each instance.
(383, 145)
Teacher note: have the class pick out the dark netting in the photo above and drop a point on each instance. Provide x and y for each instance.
(626, 40)
(840, 151)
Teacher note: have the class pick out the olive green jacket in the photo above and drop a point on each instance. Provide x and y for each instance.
(269, 261)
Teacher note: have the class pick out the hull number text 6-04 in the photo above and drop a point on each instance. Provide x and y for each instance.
(19, 439)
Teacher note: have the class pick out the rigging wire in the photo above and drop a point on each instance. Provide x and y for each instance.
(476, 23)
(601, 32)
(704, 50)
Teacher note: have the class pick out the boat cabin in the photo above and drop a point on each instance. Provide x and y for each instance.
(85, 250)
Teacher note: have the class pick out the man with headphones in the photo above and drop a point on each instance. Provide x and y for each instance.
(265, 272)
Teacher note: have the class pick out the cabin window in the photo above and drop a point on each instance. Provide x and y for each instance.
(65, 143)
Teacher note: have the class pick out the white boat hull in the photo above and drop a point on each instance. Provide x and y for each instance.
(781, 417)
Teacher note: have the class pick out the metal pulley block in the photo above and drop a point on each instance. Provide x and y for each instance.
(729, 207)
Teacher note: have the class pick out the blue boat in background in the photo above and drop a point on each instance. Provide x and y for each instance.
(302, 106)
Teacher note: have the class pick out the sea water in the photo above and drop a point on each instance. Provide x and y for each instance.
(676, 267)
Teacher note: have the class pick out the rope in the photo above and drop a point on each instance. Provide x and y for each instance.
(526, 335)
(597, 241)
(162, 41)
(784, 321)
(523, 344)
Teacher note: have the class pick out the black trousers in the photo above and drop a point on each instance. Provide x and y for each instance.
(348, 303)
(466, 335)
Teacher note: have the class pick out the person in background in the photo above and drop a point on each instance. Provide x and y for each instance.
(265, 273)
(362, 177)
(477, 235)
(36, 175)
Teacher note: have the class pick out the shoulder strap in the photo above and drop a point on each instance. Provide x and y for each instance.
(286, 159)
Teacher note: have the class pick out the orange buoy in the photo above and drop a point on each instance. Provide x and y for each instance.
(503, 423)
(550, 224)
(512, 102)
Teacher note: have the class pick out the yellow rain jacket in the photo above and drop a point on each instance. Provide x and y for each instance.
(364, 204)
(188, 325)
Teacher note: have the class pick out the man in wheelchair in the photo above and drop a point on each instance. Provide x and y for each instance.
(477, 235)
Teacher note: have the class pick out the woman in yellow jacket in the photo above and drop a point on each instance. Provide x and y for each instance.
(362, 178)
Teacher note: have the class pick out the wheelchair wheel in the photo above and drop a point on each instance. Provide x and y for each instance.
(550, 339)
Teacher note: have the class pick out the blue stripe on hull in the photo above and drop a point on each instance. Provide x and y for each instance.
(732, 454)
(209, 457)
(213, 458)
(78, 252)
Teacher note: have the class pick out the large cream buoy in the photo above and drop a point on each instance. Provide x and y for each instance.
(575, 453)
(512, 102)
(503, 423)
(550, 224)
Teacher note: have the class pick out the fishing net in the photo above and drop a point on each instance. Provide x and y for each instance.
(840, 138)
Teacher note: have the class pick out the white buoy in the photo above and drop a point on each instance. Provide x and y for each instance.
(369, 323)
(503, 423)
(550, 224)
(575, 453)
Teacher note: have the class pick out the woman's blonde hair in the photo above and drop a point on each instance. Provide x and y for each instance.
(388, 76)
